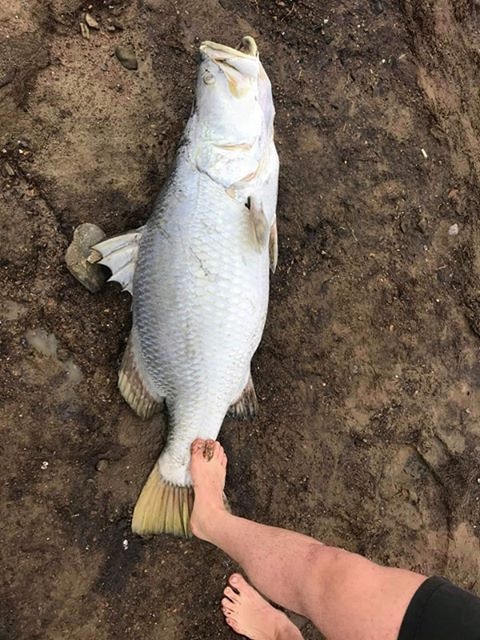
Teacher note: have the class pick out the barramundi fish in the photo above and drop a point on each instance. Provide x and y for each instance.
(198, 272)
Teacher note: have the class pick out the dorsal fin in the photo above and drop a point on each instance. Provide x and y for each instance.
(247, 404)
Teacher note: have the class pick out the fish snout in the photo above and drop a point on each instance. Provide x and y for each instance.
(240, 66)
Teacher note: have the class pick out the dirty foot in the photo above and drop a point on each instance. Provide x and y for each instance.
(248, 614)
(208, 467)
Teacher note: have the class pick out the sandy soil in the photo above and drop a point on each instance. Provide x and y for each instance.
(368, 373)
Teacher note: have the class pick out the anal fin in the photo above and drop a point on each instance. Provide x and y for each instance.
(133, 387)
(246, 406)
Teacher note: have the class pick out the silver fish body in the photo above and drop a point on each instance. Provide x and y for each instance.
(199, 275)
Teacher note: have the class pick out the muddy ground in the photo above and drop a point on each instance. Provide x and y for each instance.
(368, 373)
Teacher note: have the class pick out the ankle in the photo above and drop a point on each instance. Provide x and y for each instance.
(205, 525)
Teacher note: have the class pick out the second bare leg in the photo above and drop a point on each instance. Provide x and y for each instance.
(343, 594)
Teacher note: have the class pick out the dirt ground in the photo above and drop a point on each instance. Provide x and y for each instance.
(368, 373)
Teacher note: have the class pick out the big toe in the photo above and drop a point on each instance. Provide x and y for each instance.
(236, 581)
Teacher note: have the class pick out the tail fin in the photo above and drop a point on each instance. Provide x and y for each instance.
(163, 507)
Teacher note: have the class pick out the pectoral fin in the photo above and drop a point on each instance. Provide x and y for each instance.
(119, 254)
(260, 225)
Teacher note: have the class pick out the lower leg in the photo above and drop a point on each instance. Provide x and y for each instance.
(345, 595)
(256, 548)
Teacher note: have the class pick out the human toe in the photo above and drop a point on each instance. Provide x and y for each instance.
(209, 449)
(237, 581)
(197, 446)
(232, 623)
(230, 593)
(227, 605)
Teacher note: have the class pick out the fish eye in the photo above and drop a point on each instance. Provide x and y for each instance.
(208, 77)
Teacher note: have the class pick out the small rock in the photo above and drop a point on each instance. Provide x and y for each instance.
(453, 230)
(91, 22)
(422, 224)
(117, 24)
(101, 465)
(127, 57)
(9, 169)
(110, 28)
(92, 276)
(85, 31)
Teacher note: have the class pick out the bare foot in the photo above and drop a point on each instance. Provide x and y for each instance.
(248, 614)
(208, 468)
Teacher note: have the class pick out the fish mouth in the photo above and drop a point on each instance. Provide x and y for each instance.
(238, 65)
(215, 50)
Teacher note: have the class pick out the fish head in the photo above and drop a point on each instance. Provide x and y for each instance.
(233, 111)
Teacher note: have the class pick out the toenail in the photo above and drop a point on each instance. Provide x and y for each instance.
(234, 579)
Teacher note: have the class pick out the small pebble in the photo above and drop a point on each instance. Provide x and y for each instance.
(125, 544)
(91, 22)
(85, 31)
(127, 58)
(101, 465)
(44, 465)
(9, 169)
(453, 230)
